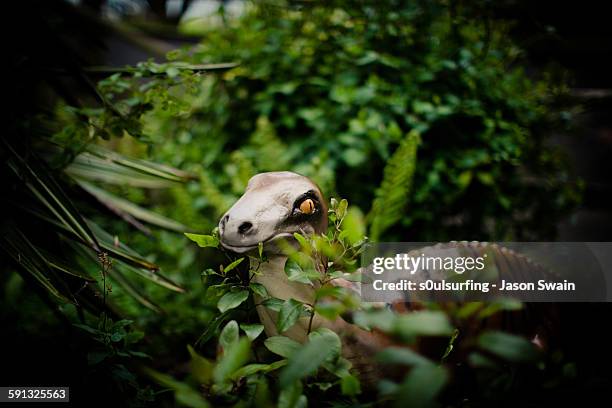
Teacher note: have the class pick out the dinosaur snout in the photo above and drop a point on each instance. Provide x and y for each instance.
(245, 225)
(233, 229)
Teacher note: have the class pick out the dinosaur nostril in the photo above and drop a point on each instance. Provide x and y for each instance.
(245, 227)
(223, 222)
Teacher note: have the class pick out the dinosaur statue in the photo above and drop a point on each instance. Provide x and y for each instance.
(276, 205)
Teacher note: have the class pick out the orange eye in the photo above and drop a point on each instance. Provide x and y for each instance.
(307, 206)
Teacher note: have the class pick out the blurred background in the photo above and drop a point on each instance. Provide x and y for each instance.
(128, 123)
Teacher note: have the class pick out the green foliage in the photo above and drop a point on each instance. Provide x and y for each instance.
(53, 175)
(508, 347)
(392, 196)
(288, 314)
(184, 394)
(114, 341)
(345, 88)
(203, 241)
(281, 345)
(346, 93)
(421, 386)
(316, 370)
(324, 345)
(232, 300)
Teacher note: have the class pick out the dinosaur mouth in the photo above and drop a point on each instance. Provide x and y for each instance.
(240, 249)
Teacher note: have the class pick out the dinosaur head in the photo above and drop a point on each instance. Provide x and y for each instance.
(275, 205)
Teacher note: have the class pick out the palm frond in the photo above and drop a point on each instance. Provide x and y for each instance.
(125, 207)
(133, 261)
(29, 261)
(89, 167)
(49, 193)
(144, 166)
(128, 258)
(133, 290)
(195, 68)
(118, 275)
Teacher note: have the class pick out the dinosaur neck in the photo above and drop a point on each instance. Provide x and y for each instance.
(271, 274)
(357, 345)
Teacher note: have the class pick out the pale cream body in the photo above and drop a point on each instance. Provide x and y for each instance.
(271, 274)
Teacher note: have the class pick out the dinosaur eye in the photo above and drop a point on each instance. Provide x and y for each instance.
(307, 206)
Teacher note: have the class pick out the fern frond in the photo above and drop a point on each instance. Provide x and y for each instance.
(393, 194)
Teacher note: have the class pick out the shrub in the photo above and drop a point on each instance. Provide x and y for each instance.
(331, 90)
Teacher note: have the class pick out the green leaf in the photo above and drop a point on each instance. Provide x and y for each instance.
(232, 265)
(229, 334)
(232, 300)
(330, 309)
(401, 355)
(201, 368)
(320, 348)
(422, 323)
(481, 361)
(289, 314)
(341, 209)
(296, 273)
(212, 327)
(259, 289)
(349, 385)
(499, 305)
(292, 268)
(273, 304)
(340, 368)
(302, 241)
(252, 330)
(380, 319)
(183, 393)
(508, 346)
(248, 370)
(334, 345)
(353, 157)
(291, 396)
(203, 241)
(234, 357)
(353, 225)
(485, 178)
(421, 386)
(282, 345)
(251, 369)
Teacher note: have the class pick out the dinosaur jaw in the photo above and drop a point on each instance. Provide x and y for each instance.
(270, 244)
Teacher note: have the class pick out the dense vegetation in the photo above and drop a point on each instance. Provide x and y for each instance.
(422, 116)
